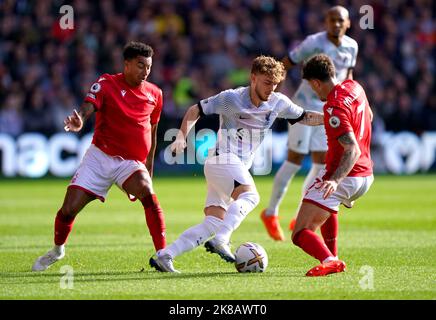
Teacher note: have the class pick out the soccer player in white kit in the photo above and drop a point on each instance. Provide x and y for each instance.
(304, 139)
(246, 115)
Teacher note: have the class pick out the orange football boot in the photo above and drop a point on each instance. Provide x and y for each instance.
(292, 224)
(272, 226)
(324, 269)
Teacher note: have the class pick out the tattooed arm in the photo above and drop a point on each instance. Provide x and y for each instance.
(312, 118)
(348, 160)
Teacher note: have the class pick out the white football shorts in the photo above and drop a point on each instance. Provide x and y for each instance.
(98, 171)
(304, 139)
(223, 173)
(350, 189)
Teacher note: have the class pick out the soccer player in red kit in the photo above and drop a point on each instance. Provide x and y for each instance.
(127, 111)
(348, 173)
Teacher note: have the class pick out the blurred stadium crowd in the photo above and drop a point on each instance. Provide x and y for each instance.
(202, 47)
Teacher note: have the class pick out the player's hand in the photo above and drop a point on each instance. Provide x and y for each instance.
(178, 146)
(73, 122)
(328, 186)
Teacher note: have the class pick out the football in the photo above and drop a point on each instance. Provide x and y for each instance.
(251, 257)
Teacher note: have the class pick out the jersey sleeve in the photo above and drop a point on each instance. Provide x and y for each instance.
(337, 122)
(155, 115)
(303, 51)
(222, 103)
(95, 95)
(289, 110)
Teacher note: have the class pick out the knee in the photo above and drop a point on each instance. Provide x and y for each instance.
(69, 210)
(252, 197)
(145, 190)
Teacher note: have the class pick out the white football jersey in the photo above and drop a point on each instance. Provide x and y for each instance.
(343, 57)
(243, 126)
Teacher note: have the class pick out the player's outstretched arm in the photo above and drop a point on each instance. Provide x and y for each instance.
(348, 160)
(313, 118)
(189, 120)
(76, 121)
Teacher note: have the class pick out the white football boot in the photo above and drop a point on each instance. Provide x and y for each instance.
(45, 261)
(220, 248)
(163, 262)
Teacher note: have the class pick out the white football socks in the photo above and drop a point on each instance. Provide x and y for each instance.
(281, 181)
(59, 250)
(236, 213)
(194, 236)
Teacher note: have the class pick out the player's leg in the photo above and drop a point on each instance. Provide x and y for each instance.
(246, 198)
(90, 181)
(139, 184)
(329, 232)
(215, 209)
(284, 175)
(310, 217)
(298, 146)
(189, 239)
(75, 200)
(318, 149)
(198, 234)
(236, 192)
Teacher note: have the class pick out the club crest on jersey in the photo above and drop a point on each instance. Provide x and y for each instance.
(334, 122)
(95, 87)
(150, 97)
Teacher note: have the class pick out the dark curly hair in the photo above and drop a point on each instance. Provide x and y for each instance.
(134, 49)
(319, 67)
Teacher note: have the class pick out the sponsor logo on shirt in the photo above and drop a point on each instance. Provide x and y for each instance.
(150, 97)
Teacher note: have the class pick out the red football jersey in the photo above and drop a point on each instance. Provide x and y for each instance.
(347, 110)
(124, 116)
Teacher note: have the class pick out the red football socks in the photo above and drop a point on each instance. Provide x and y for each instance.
(63, 226)
(155, 220)
(312, 244)
(329, 231)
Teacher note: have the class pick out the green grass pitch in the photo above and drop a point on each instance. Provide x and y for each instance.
(388, 241)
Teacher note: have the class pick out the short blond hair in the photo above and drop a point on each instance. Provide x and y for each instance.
(269, 66)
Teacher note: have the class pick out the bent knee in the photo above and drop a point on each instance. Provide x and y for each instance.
(144, 190)
(69, 210)
(252, 197)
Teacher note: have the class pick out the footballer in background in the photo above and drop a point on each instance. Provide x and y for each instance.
(303, 139)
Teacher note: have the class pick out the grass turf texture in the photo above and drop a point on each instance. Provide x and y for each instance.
(391, 230)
